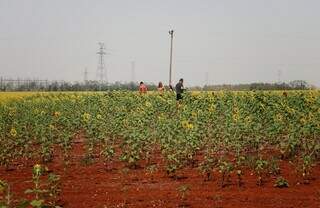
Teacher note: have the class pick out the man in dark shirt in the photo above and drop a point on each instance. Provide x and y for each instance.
(179, 89)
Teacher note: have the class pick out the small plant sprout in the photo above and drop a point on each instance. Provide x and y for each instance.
(43, 191)
(306, 167)
(240, 160)
(239, 178)
(151, 169)
(37, 189)
(54, 188)
(206, 167)
(260, 169)
(5, 195)
(36, 174)
(281, 183)
(183, 190)
(274, 168)
(108, 153)
(225, 168)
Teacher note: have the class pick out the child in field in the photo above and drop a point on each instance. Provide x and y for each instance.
(142, 88)
(160, 88)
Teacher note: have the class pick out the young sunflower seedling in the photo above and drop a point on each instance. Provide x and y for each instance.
(48, 191)
(239, 178)
(206, 167)
(5, 195)
(281, 183)
(260, 168)
(54, 188)
(151, 169)
(183, 190)
(304, 167)
(274, 168)
(108, 153)
(225, 168)
(37, 189)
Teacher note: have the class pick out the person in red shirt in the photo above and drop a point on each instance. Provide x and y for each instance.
(142, 88)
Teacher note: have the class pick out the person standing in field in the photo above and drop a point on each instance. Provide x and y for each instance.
(179, 89)
(160, 88)
(142, 88)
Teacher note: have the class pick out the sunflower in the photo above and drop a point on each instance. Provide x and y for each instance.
(13, 132)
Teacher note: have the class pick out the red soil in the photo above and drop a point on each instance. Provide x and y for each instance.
(94, 186)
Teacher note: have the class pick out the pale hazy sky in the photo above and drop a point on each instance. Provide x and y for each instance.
(234, 41)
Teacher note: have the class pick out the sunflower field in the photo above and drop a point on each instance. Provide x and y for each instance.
(244, 126)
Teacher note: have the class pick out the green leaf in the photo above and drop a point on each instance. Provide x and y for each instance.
(37, 203)
(29, 191)
(23, 204)
(3, 205)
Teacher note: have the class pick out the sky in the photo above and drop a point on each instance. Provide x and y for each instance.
(215, 41)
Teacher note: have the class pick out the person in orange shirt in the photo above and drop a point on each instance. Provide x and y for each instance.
(142, 88)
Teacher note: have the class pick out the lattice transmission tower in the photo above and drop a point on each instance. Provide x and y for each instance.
(101, 69)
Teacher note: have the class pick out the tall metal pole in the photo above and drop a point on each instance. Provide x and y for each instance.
(170, 70)
(207, 79)
(85, 78)
(1, 80)
(279, 76)
(101, 74)
(133, 79)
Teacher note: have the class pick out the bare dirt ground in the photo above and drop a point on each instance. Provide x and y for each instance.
(93, 186)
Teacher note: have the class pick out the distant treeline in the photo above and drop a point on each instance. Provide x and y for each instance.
(293, 85)
(44, 85)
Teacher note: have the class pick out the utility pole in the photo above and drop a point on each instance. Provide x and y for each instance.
(279, 76)
(171, 47)
(85, 78)
(18, 83)
(206, 78)
(101, 74)
(1, 85)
